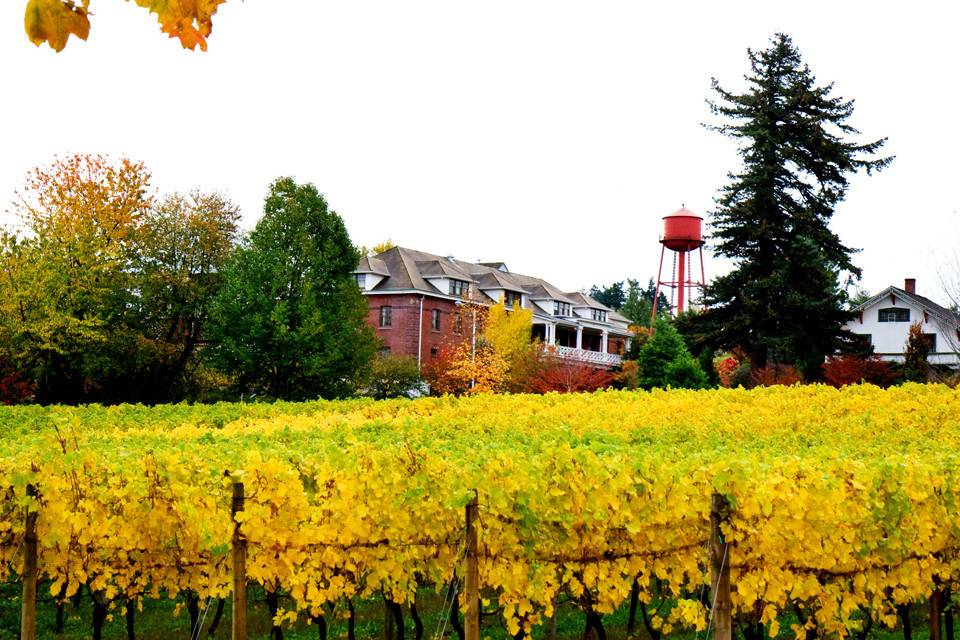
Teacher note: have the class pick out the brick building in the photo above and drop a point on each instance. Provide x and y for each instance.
(413, 299)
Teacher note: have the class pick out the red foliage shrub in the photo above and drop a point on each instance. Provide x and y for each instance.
(567, 376)
(725, 368)
(773, 374)
(13, 388)
(843, 370)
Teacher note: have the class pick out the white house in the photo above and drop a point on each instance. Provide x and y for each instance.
(885, 321)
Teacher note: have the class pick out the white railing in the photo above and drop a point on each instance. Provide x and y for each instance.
(590, 357)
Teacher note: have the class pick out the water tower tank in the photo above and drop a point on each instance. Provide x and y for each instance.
(682, 231)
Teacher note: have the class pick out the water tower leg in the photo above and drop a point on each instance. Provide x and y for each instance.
(656, 293)
(682, 282)
(703, 275)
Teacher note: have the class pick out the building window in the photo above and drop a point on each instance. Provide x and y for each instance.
(897, 314)
(931, 340)
(599, 315)
(386, 316)
(385, 351)
(433, 352)
(510, 298)
(561, 309)
(360, 279)
(435, 320)
(457, 324)
(459, 288)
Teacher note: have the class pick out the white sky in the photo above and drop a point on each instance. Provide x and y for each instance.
(549, 134)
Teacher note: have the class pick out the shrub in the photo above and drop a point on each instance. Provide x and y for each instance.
(685, 373)
(627, 377)
(842, 370)
(915, 367)
(14, 388)
(726, 366)
(664, 360)
(393, 377)
(774, 374)
(568, 376)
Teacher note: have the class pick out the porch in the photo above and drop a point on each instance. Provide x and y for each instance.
(586, 344)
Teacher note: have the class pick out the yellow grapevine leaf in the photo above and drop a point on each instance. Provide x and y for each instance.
(189, 20)
(54, 21)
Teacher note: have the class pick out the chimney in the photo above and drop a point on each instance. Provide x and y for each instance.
(910, 285)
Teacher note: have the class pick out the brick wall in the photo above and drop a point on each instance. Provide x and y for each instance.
(401, 336)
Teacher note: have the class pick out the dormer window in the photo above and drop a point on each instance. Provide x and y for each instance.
(561, 309)
(459, 288)
(599, 315)
(360, 279)
(512, 297)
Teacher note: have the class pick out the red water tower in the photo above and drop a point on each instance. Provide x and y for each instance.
(682, 235)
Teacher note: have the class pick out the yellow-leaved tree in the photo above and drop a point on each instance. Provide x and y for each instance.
(54, 21)
(500, 358)
(377, 249)
(508, 331)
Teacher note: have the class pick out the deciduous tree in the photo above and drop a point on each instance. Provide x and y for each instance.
(105, 288)
(183, 244)
(782, 301)
(462, 369)
(289, 320)
(67, 277)
(509, 332)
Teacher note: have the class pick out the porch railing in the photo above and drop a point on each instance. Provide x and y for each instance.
(590, 357)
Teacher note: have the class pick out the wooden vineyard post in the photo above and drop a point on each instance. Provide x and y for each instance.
(471, 617)
(720, 570)
(239, 629)
(28, 606)
(936, 607)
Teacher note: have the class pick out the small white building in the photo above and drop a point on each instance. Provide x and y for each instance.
(884, 320)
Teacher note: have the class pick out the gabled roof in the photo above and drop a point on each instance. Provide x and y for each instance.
(372, 264)
(495, 279)
(407, 269)
(583, 300)
(924, 303)
(441, 268)
(499, 266)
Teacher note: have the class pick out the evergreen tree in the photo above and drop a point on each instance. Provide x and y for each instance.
(665, 361)
(637, 306)
(612, 296)
(783, 301)
(289, 320)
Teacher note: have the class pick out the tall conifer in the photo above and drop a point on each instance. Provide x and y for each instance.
(783, 301)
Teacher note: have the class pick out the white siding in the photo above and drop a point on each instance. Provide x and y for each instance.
(889, 339)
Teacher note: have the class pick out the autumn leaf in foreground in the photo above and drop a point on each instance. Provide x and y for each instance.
(189, 20)
(54, 21)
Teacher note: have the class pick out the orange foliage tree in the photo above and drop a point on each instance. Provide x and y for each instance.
(459, 369)
(54, 21)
